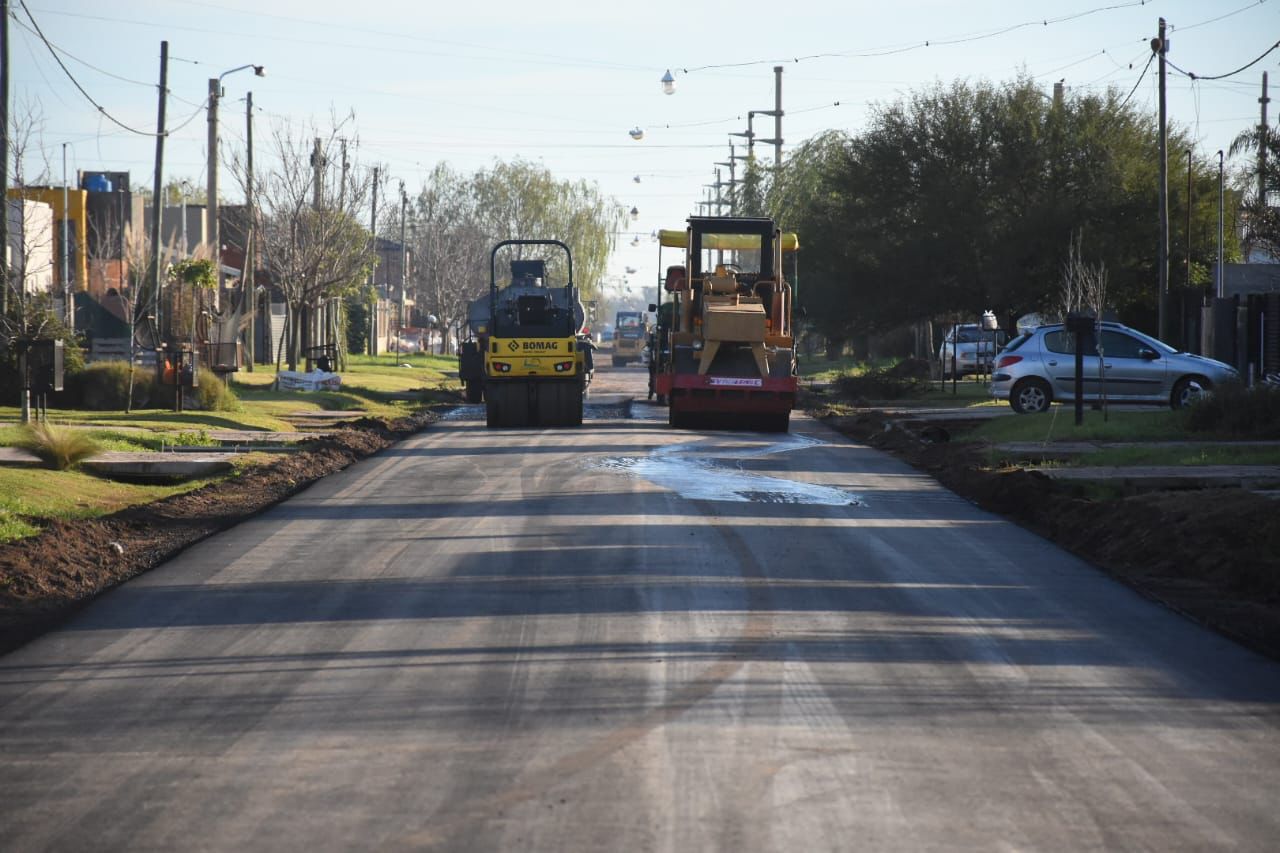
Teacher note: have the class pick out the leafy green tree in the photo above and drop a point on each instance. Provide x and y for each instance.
(966, 196)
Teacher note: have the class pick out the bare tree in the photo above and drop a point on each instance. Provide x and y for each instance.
(1084, 290)
(459, 217)
(312, 239)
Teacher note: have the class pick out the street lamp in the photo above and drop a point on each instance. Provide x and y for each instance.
(668, 83)
(215, 94)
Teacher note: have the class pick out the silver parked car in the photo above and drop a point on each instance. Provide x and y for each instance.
(1038, 367)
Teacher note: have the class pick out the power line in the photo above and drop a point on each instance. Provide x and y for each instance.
(74, 81)
(1150, 59)
(1262, 56)
(892, 50)
(1219, 18)
(380, 48)
(75, 58)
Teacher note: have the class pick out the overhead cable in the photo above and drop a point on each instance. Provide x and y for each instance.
(1150, 59)
(888, 51)
(74, 81)
(1193, 76)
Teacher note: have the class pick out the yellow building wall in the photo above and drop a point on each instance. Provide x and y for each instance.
(77, 204)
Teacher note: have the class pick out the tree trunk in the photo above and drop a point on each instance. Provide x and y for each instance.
(292, 321)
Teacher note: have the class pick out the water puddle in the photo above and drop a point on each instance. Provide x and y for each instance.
(708, 472)
(464, 413)
(590, 411)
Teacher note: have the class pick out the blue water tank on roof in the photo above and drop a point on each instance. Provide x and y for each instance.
(97, 184)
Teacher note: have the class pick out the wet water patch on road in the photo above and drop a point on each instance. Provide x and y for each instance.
(712, 471)
(603, 411)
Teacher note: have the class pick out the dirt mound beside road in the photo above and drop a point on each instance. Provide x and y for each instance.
(46, 577)
(1211, 554)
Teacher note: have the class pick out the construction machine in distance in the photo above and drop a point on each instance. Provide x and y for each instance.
(527, 357)
(629, 334)
(729, 353)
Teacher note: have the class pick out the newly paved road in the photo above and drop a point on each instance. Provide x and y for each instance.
(623, 638)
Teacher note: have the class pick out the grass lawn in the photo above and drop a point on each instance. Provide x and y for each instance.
(1216, 454)
(40, 493)
(108, 439)
(965, 393)
(818, 369)
(368, 384)
(156, 420)
(1058, 424)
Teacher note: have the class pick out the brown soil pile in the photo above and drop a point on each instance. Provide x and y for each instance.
(1211, 554)
(44, 578)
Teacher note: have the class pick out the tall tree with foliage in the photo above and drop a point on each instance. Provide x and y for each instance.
(964, 197)
(1261, 189)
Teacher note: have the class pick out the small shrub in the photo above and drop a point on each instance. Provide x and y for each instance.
(1234, 410)
(214, 395)
(881, 384)
(194, 439)
(59, 447)
(911, 368)
(104, 386)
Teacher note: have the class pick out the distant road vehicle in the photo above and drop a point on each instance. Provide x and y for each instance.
(1126, 366)
(969, 349)
(629, 337)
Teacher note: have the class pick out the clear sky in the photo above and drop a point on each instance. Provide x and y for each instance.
(563, 81)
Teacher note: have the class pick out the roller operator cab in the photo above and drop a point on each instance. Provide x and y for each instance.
(729, 358)
(537, 361)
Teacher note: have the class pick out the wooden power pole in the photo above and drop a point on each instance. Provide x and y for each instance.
(1161, 46)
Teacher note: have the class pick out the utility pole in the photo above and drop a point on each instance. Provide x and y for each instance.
(732, 165)
(373, 273)
(777, 114)
(250, 247)
(404, 263)
(1262, 146)
(317, 170)
(67, 304)
(342, 187)
(1188, 230)
(211, 204)
(750, 134)
(317, 181)
(1222, 291)
(157, 194)
(4, 156)
(1161, 46)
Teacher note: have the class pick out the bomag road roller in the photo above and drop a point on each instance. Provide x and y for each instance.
(537, 365)
(629, 333)
(730, 354)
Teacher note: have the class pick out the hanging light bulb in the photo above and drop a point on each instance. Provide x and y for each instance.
(635, 213)
(636, 179)
(636, 133)
(668, 83)
(635, 241)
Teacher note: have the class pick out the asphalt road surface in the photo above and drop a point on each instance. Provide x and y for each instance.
(619, 637)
